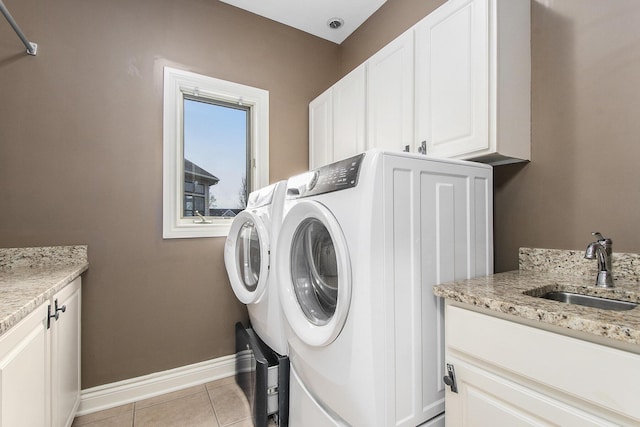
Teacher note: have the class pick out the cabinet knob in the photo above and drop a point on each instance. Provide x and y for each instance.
(62, 309)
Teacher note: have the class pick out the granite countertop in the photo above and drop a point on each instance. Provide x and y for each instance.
(543, 270)
(30, 276)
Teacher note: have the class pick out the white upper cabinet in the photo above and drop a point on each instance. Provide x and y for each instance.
(451, 79)
(349, 115)
(473, 79)
(390, 96)
(337, 120)
(320, 130)
(459, 80)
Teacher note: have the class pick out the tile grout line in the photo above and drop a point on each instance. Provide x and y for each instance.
(212, 405)
(134, 405)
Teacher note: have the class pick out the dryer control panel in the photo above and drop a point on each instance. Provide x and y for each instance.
(332, 177)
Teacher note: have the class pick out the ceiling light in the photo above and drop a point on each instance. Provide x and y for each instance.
(335, 23)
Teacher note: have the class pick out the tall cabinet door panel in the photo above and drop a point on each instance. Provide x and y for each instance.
(348, 114)
(452, 54)
(390, 96)
(433, 211)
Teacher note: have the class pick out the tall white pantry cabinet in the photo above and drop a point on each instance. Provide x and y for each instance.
(457, 84)
(40, 364)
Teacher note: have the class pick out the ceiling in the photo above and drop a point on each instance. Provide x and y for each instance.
(312, 16)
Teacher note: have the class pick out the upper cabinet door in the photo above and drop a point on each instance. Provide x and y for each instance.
(349, 115)
(390, 96)
(452, 92)
(337, 120)
(473, 80)
(320, 130)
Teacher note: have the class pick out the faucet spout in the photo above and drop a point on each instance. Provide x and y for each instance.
(602, 250)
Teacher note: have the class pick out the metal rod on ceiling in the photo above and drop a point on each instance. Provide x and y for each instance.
(32, 48)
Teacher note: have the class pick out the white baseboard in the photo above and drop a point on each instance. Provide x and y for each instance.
(122, 392)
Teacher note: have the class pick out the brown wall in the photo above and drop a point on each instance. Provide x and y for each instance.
(81, 149)
(585, 174)
(81, 160)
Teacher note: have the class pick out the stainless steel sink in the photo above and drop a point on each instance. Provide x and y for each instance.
(589, 300)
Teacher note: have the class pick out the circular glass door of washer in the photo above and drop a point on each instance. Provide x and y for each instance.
(314, 273)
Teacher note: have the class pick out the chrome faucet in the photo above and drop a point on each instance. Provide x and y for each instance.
(601, 250)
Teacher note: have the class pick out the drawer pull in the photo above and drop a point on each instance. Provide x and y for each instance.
(450, 378)
(56, 312)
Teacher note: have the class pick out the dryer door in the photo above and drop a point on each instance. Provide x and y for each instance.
(314, 273)
(246, 256)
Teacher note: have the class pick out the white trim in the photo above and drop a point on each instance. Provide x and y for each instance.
(134, 389)
(176, 84)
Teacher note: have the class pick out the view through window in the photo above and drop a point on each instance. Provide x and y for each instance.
(215, 150)
(216, 158)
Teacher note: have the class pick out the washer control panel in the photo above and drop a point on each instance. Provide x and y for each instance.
(333, 177)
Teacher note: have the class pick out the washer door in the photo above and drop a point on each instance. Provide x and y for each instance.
(314, 273)
(246, 256)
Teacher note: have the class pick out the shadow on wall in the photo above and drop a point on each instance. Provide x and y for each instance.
(10, 59)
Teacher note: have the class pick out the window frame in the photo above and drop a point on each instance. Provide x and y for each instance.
(177, 84)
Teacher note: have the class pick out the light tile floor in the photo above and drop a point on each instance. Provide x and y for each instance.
(216, 404)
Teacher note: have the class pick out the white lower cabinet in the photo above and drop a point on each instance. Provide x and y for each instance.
(40, 366)
(510, 374)
(65, 357)
(487, 399)
(24, 372)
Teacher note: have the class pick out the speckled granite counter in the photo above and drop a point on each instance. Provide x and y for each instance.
(542, 270)
(29, 276)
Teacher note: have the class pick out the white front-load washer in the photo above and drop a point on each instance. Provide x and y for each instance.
(362, 242)
(249, 255)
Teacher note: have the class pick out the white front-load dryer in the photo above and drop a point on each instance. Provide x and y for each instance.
(249, 255)
(362, 242)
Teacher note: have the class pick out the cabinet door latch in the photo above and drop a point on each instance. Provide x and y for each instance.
(450, 378)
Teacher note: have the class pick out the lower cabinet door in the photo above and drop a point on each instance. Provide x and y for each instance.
(65, 358)
(24, 372)
(487, 399)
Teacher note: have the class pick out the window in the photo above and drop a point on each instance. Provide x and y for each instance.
(216, 150)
